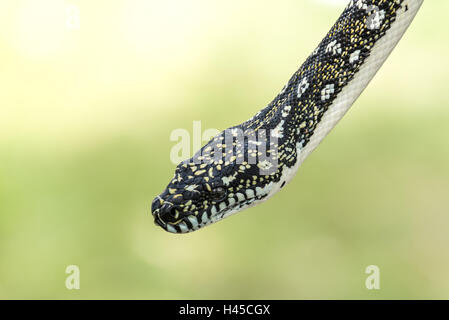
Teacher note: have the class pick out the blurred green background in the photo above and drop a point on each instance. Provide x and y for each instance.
(86, 112)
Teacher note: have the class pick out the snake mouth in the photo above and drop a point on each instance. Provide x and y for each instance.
(170, 218)
(158, 221)
(185, 225)
(164, 217)
(189, 222)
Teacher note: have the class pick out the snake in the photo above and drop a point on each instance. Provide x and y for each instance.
(247, 164)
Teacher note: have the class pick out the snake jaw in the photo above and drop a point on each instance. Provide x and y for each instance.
(186, 217)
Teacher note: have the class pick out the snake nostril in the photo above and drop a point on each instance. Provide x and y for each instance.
(174, 213)
(169, 213)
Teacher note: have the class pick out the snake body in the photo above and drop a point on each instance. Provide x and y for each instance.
(247, 164)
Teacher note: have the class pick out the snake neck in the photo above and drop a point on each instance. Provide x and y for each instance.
(296, 112)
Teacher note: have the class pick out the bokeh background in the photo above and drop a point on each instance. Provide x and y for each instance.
(90, 92)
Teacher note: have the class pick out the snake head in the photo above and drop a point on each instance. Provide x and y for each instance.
(209, 187)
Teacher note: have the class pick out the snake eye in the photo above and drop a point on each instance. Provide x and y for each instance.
(218, 194)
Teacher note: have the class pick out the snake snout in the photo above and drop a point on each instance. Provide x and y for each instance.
(155, 205)
(165, 214)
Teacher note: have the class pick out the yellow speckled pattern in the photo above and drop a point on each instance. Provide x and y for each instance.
(246, 164)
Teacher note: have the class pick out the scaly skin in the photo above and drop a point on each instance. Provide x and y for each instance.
(246, 164)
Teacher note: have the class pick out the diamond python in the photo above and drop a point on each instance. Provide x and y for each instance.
(227, 175)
